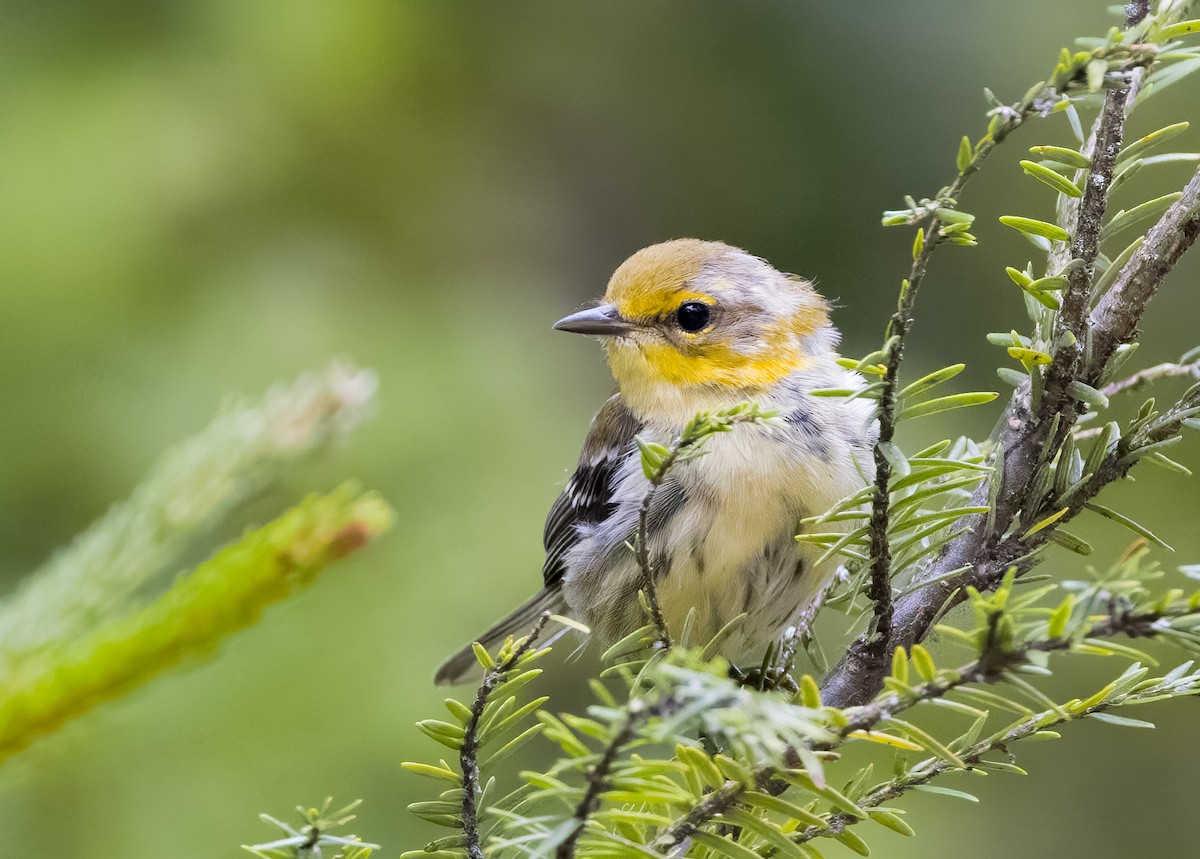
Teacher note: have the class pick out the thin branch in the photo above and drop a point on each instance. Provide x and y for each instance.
(878, 646)
(642, 551)
(468, 756)
(657, 462)
(1070, 326)
(598, 776)
(918, 612)
(1141, 378)
(1115, 319)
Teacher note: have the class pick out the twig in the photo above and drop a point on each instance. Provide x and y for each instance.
(598, 775)
(878, 646)
(649, 584)
(657, 462)
(468, 756)
(972, 757)
(1070, 326)
(1115, 319)
(1141, 378)
(917, 612)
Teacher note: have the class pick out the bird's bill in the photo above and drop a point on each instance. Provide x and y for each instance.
(603, 320)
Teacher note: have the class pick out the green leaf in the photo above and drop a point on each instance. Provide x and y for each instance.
(1144, 211)
(1011, 377)
(459, 710)
(923, 662)
(1069, 157)
(810, 693)
(1047, 522)
(1140, 530)
(891, 820)
(722, 846)
(1123, 721)
(954, 216)
(1114, 268)
(931, 380)
(928, 741)
(430, 771)
(1033, 227)
(1165, 77)
(1054, 179)
(900, 664)
(1087, 394)
(895, 457)
(1151, 140)
(780, 805)
(1071, 542)
(1020, 278)
(944, 404)
(964, 154)
(851, 839)
(1073, 119)
(766, 830)
(1057, 625)
(652, 456)
(946, 791)
(1029, 357)
(1183, 28)
(512, 745)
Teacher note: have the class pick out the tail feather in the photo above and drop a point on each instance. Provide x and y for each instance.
(458, 667)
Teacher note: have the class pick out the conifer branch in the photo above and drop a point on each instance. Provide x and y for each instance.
(468, 756)
(1031, 434)
(598, 777)
(944, 223)
(993, 665)
(220, 597)
(1139, 380)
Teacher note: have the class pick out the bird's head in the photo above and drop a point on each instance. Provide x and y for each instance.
(700, 322)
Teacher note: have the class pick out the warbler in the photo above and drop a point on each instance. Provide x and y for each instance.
(693, 326)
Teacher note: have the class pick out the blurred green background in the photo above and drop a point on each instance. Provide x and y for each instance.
(204, 198)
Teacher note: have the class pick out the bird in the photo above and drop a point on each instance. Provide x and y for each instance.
(691, 326)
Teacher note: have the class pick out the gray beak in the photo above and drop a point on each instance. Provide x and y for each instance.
(603, 320)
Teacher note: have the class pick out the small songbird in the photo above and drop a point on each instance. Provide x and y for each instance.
(691, 326)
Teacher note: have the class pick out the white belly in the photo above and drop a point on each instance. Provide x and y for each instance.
(729, 549)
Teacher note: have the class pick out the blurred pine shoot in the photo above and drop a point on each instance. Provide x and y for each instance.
(104, 616)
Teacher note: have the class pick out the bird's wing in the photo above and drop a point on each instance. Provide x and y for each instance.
(586, 498)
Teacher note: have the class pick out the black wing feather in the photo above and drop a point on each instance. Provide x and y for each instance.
(585, 499)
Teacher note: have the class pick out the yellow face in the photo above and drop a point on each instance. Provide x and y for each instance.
(699, 313)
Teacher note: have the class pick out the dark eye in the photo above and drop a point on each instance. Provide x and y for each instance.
(692, 315)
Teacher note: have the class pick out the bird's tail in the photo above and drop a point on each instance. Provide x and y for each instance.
(458, 667)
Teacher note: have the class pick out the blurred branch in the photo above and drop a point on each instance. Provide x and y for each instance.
(196, 485)
(1141, 378)
(307, 840)
(221, 596)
